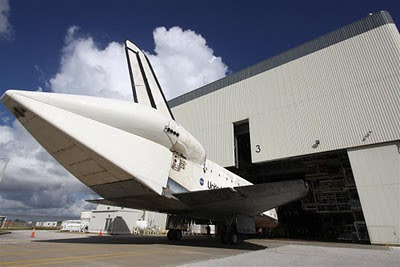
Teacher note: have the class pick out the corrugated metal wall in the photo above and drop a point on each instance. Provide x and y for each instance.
(336, 95)
(377, 174)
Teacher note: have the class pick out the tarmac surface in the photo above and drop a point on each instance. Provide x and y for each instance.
(70, 249)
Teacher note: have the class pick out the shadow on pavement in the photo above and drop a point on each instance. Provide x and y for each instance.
(4, 232)
(192, 241)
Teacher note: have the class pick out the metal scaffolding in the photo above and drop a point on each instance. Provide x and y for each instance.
(333, 191)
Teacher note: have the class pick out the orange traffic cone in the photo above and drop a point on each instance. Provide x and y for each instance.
(33, 233)
(101, 233)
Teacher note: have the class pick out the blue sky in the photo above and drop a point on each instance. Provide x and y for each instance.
(68, 46)
(240, 32)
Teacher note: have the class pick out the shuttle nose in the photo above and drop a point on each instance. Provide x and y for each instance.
(12, 93)
(15, 97)
(93, 138)
(127, 116)
(19, 95)
(8, 93)
(12, 100)
(6, 96)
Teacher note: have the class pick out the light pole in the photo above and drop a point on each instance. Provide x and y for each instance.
(4, 167)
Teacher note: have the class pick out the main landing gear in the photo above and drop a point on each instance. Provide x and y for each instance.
(229, 237)
(228, 233)
(174, 234)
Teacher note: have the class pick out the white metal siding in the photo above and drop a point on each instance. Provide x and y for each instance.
(336, 95)
(377, 174)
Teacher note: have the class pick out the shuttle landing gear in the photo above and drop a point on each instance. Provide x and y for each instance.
(230, 237)
(174, 234)
(228, 233)
(233, 238)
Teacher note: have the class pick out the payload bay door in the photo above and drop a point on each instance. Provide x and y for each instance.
(242, 143)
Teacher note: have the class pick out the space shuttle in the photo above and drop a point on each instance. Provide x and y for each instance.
(136, 155)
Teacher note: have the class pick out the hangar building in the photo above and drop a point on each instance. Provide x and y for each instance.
(327, 111)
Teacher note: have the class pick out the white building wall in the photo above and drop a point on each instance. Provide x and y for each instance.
(72, 225)
(122, 220)
(156, 220)
(336, 95)
(85, 217)
(346, 95)
(46, 224)
(376, 171)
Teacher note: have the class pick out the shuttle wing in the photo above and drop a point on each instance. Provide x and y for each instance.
(145, 86)
(247, 200)
(214, 204)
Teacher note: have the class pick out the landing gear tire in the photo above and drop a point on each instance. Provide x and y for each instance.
(171, 234)
(178, 235)
(233, 238)
(174, 234)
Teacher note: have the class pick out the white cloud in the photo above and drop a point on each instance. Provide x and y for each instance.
(86, 69)
(182, 62)
(33, 181)
(5, 27)
(6, 135)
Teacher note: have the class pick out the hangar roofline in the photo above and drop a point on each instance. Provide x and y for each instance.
(356, 28)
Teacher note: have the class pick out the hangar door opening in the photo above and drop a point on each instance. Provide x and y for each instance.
(331, 210)
(241, 132)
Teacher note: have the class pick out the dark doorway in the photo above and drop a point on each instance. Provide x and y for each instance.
(331, 210)
(242, 145)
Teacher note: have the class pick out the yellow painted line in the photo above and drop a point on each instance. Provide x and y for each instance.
(61, 258)
(43, 250)
(72, 258)
(76, 260)
(16, 253)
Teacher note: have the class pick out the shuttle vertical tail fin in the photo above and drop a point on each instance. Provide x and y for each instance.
(145, 86)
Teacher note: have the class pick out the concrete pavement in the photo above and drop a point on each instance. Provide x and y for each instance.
(71, 249)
